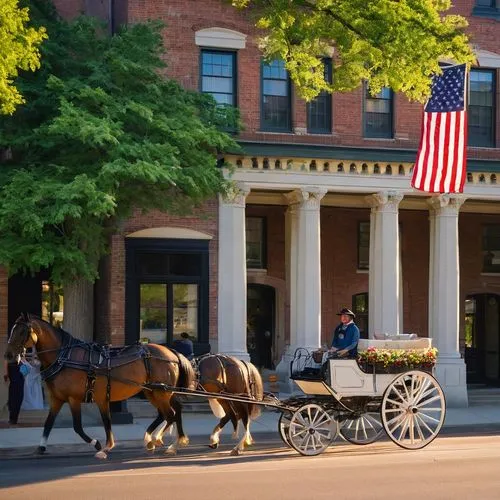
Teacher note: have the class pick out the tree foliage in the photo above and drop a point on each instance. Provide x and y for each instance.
(393, 43)
(102, 133)
(19, 45)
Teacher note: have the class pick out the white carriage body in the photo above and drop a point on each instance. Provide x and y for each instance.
(347, 379)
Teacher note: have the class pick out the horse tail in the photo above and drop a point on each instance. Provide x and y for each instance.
(187, 376)
(256, 390)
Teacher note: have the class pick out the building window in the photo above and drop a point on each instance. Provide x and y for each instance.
(378, 113)
(360, 309)
(363, 245)
(218, 75)
(491, 248)
(319, 111)
(256, 242)
(487, 8)
(481, 116)
(276, 102)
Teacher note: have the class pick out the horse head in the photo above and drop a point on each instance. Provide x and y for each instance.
(21, 336)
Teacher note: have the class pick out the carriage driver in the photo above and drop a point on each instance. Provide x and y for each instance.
(345, 337)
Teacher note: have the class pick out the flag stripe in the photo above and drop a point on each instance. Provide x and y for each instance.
(440, 165)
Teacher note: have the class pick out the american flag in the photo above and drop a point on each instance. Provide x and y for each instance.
(441, 159)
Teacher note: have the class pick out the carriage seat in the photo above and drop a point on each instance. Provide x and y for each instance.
(396, 342)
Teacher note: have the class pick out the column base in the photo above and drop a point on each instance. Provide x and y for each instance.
(451, 375)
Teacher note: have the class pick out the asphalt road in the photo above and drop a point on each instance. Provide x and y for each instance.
(450, 468)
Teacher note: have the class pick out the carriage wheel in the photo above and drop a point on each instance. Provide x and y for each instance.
(365, 429)
(311, 430)
(283, 427)
(413, 409)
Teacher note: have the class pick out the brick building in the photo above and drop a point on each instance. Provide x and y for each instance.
(323, 217)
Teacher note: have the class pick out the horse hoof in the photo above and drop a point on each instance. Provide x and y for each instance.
(183, 441)
(214, 446)
(150, 446)
(101, 455)
(41, 450)
(171, 451)
(235, 452)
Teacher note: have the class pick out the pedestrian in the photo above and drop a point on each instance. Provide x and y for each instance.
(345, 336)
(184, 345)
(33, 394)
(15, 379)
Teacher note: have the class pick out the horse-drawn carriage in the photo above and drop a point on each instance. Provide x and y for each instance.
(338, 395)
(361, 402)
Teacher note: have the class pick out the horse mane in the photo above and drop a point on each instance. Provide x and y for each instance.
(63, 334)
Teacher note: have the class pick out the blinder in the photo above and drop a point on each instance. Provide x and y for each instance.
(19, 341)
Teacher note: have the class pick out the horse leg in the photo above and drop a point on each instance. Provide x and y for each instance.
(247, 438)
(236, 426)
(105, 412)
(182, 438)
(214, 437)
(55, 408)
(149, 442)
(76, 413)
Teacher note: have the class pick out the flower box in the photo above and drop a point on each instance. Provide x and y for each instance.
(397, 360)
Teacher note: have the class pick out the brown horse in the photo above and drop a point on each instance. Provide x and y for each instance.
(228, 375)
(76, 371)
(223, 374)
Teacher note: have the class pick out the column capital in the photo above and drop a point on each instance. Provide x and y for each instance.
(308, 198)
(444, 204)
(236, 195)
(386, 201)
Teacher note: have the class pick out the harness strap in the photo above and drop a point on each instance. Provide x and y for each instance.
(146, 356)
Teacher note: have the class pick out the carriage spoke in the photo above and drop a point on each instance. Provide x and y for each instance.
(424, 423)
(429, 417)
(437, 397)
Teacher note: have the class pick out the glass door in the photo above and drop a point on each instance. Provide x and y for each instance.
(185, 310)
(153, 313)
(167, 310)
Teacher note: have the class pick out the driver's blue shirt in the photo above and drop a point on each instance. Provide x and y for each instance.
(346, 337)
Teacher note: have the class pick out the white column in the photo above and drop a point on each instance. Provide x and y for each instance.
(384, 277)
(291, 243)
(444, 297)
(308, 293)
(232, 275)
(303, 276)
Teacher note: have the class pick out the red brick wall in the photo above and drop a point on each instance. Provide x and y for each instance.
(4, 307)
(185, 17)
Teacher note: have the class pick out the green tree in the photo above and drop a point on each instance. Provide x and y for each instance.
(103, 133)
(393, 43)
(18, 51)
